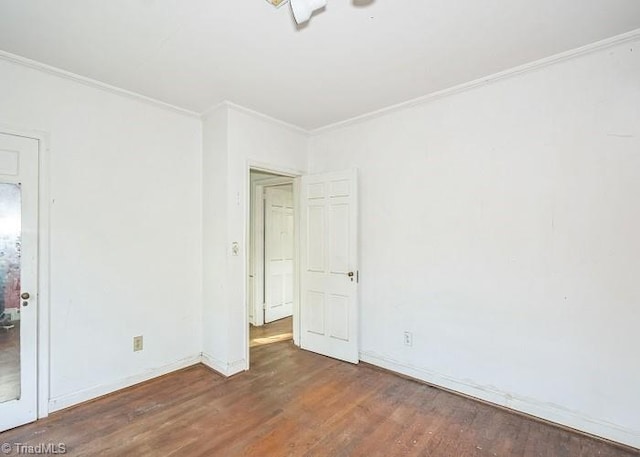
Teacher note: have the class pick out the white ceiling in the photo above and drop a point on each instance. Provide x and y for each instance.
(350, 59)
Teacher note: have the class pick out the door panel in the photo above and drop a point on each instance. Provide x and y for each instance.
(339, 239)
(339, 313)
(18, 277)
(328, 279)
(315, 250)
(315, 312)
(278, 252)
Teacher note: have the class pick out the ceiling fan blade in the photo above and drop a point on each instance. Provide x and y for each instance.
(303, 9)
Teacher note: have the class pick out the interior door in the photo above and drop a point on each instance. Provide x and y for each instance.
(18, 279)
(278, 252)
(329, 267)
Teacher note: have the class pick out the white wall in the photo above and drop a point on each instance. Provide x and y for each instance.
(500, 226)
(125, 230)
(214, 235)
(250, 139)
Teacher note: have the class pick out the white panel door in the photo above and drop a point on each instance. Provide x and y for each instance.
(328, 260)
(278, 252)
(18, 279)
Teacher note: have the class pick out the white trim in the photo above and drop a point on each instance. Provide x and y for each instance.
(274, 181)
(256, 114)
(297, 215)
(223, 368)
(213, 108)
(547, 411)
(43, 345)
(9, 57)
(485, 80)
(255, 243)
(273, 169)
(65, 401)
(282, 171)
(531, 66)
(44, 278)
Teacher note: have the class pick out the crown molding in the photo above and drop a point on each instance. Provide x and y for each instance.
(486, 80)
(256, 114)
(13, 58)
(213, 108)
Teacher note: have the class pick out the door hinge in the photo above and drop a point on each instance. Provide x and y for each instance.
(357, 276)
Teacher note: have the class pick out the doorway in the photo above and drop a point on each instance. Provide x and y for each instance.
(271, 270)
(325, 273)
(19, 164)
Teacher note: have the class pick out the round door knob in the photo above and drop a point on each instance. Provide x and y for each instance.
(25, 296)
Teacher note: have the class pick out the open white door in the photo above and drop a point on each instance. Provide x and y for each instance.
(18, 279)
(329, 269)
(278, 252)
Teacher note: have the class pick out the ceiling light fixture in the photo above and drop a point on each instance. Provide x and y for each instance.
(301, 9)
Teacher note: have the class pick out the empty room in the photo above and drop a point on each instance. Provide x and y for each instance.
(320, 228)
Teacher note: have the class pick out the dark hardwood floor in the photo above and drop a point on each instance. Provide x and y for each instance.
(10, 362)
(295, 403)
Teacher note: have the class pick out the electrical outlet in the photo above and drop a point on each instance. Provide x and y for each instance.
(137, 343)
(408, 339)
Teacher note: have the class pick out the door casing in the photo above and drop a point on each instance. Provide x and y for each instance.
(289, 174)
(43, 310)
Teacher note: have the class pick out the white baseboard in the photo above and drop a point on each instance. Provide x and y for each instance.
(224, 368)
(546, 411)
(64, 401)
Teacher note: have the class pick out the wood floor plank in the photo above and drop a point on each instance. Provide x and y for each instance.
(295, 403)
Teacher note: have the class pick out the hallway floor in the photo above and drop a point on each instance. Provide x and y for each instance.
(281, 330)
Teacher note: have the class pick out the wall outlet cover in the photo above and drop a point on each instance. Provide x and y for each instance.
(408, 339)
(137, 343)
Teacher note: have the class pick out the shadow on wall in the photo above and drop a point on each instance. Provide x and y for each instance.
(363, 3)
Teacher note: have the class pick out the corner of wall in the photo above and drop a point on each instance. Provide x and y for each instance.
(215, 137)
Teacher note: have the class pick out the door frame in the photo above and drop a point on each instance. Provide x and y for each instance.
(44, 242)
(257, 254)
(289, 173)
